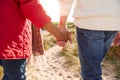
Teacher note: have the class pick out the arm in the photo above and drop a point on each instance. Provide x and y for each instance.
(64, 9)
(60, 36)
(33, 10)
(63, 22)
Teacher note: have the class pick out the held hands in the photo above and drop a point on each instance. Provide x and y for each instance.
(61, 35)
(66, 35)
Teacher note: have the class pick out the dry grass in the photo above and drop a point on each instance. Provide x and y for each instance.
(114, 57)
(49, 41)
(1, 72)
(70, 51)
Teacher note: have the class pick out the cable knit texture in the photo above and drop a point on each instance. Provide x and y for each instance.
(93, 14)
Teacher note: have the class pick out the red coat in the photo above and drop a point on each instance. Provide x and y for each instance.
(15, 29)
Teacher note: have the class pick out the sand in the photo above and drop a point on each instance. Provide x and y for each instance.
(52, 66)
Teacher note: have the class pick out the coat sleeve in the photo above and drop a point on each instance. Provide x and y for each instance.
(33, 10)
(65, 7)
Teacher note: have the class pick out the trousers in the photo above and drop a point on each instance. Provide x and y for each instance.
(93, 46)
(14, 69)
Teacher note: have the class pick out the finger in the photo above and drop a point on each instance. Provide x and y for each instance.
(61, 43)
(63, 29)
(69, 37)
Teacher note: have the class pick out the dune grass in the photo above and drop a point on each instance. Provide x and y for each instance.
(114, 57)
(70, 51)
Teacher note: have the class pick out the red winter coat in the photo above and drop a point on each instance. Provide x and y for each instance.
(15, 29)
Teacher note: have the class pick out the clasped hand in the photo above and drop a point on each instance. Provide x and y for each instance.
(66, 37)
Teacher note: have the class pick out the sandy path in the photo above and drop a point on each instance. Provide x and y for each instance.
(51, 66)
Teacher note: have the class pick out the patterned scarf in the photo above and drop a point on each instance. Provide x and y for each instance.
(37, 43)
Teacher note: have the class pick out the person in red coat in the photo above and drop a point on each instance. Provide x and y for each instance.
(15, 34)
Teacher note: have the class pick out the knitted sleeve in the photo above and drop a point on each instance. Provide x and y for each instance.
(65, 7)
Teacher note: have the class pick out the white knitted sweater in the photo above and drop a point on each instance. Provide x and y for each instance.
(93, 14)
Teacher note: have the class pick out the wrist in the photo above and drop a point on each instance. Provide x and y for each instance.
(63, 20)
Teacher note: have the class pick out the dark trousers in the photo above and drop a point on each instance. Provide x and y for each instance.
(93, 46)
(14, 69)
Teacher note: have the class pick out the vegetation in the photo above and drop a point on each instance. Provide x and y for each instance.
(114, 57)
(48, 41)
(71, 51)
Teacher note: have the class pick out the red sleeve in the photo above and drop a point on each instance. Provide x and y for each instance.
(33, 10)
